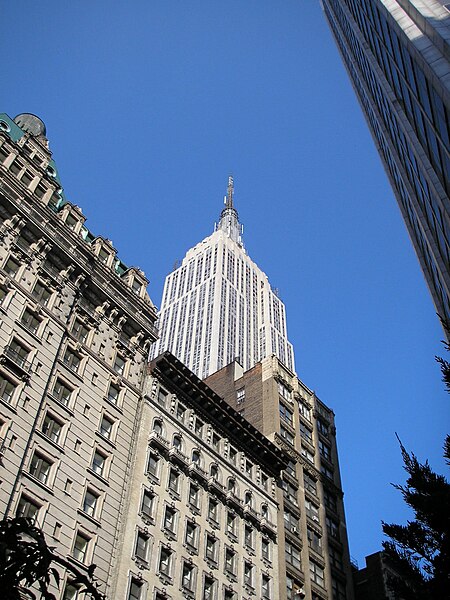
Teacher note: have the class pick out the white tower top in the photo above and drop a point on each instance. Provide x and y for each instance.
(218, 306)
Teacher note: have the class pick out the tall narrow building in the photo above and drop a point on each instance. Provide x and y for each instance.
(218, 306)
(397, 55)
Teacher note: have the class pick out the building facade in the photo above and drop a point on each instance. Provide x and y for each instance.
(202, 506)
(76, 327)
(219, 306)
(397, 55)
(314, 560)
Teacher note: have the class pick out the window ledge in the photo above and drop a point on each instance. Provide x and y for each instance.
(102, 479)
(105, 439)
(39, 483)
(89, 517)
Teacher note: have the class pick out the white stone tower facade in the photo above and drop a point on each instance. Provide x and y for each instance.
(218, 306)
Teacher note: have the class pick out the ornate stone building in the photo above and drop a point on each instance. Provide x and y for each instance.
(76, 325)
(202, 509)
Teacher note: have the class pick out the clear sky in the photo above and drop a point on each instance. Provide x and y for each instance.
(151, 104)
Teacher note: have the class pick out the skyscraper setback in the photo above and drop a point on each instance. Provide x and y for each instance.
(218, 306)
(397, 55)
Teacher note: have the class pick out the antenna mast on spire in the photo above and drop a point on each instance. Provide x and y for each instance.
(230, 192)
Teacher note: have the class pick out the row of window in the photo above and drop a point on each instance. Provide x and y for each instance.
(202, 431)
(188, 583)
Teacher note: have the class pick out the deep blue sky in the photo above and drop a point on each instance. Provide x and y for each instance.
(150, 104)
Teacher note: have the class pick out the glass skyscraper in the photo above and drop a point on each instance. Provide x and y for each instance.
(397, 54)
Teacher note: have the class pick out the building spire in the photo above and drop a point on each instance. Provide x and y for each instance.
(229, 219)
(230, 192)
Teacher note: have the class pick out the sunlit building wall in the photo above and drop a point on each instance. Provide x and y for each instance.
(397, 55)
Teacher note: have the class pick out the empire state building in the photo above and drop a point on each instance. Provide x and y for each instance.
(218, 306)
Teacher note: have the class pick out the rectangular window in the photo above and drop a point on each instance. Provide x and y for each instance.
(41, 293)
(265, 548)
(71, 591)
(316, 573)
(306, 433)
(322, 427)
(233, 455)
(51, 428)
(286, 414)
(188, 577)
(290, 492)
(240, 396)
(215, 441)
(165, 560)
(98, 463)
(170, 515)
(310, 483)
(248, 573)
(12, 266)
(211, 548)
(314, 540)
(248, 468)
(80, 548)
(213, 510)
(332, 528)
(327, 472)
(287, 435)
(292, 555)
(119, 365)
(330, 500)
(266, 587)
(30, 321)
(7, 389)
(18, 354)
(194, 495)
(309, 456)
(231, 524)
(305, 411)
(135, 590)
(181, 412)
(230, 561)
(162, 397)
(312, 510)
(113, 393)
(106, 427)
(191, 538)
(40, 467)
(174, 481)
(62, 392)
(198, 427)
(283, 390)
(72, 360)
(27, 508)
(152, 464)
(142, 546)
(325, 450)
(90, 502)
(209, 589)
(147, 504)
(248, 536)
(80, 331)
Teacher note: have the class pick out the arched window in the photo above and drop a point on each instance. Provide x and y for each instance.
(214, 471)
(196, 457)
(248, 499)
(231, 485)
(157, 427)
(265, 511)
(177, 443)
